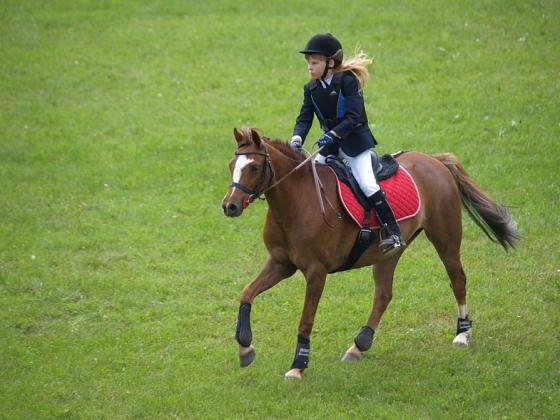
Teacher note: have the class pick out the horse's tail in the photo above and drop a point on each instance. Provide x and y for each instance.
(492, 217)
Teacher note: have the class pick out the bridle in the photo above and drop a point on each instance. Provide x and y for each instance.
(256, 192)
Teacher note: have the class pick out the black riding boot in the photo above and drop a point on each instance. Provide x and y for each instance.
(393, 235)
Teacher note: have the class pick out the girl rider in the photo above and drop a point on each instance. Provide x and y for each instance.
(335, 95)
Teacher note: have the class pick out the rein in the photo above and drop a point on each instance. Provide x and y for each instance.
(321, 194)
(311, 156)
(256, 192)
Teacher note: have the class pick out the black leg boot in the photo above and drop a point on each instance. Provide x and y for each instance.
(393, 236)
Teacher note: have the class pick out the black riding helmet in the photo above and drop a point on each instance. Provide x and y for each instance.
(327, 45)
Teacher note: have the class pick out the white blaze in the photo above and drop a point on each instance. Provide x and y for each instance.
(241, 162)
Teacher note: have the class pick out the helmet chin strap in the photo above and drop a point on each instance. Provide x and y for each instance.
(327, 68)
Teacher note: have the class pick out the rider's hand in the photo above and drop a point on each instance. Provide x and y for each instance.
(326, 139)
(296, 143)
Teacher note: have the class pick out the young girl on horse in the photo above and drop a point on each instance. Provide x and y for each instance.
(335, 95)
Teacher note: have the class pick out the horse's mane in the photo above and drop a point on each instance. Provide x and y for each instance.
(285, 148)
(280, 145)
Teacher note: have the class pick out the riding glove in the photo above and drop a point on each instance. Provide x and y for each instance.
(296, 142)
(326, 139)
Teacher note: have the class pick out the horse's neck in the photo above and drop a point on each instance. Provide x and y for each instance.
(294, 185)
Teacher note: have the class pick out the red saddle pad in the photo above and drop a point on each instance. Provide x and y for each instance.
(401, 193)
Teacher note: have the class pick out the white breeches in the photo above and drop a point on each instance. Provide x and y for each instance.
(361, 168)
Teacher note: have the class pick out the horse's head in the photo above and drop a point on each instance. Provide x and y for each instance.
(250, 172)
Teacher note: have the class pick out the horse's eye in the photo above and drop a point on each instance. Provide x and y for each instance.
(254, 169)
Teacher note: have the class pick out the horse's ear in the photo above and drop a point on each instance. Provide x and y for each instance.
(238, 135)
(256, 138)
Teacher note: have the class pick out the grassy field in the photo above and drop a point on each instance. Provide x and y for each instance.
(120, 276)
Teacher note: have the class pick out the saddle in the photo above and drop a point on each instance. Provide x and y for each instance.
(383, 168)
(400, 190)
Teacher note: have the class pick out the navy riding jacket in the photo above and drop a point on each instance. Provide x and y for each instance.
(339, 107)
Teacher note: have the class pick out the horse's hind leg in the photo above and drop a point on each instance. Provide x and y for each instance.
(448, 249)
(383, 273)
(270, 275)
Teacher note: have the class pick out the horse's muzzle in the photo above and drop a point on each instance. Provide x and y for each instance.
(231, 209)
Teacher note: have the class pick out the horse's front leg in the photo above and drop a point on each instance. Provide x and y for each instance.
(270, 275)
(313, 291)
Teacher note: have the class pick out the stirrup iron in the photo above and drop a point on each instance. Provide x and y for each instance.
(391, 242)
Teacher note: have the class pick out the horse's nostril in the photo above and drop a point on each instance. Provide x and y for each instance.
(230, 209)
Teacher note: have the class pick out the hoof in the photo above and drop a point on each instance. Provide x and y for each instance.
(353, 354)
(462, 339)
(246, 356)
(293, 374)
(351, 357)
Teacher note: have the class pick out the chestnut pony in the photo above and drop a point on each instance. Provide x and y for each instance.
(298, 237)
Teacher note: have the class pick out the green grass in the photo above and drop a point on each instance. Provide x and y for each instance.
(120, 276)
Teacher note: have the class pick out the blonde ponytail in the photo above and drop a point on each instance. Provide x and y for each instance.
(357, 65)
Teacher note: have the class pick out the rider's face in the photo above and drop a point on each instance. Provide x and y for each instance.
(316, 64)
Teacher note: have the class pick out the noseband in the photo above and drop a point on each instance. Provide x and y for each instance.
(267, 168)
